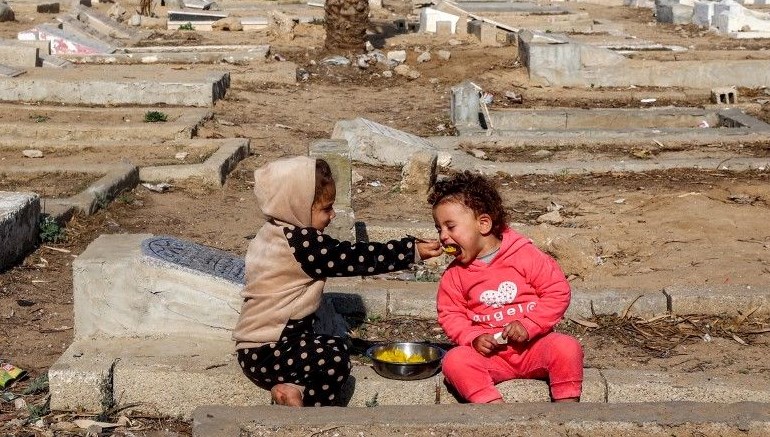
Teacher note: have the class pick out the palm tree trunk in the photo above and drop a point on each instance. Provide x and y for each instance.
(346, 22)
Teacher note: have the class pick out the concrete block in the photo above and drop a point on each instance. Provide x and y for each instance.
(429, 17)
(174, 376)
(719, 299)
(586, 303)
(444, 28)
(50, 61)
(465, 107)
(19, 219)
(337, 154)
(254, 23)
(120, 292)
(703, 13)
(82, 376)
(648, 386)
(376, 144)
(18, 55)
(48, 8)
(724, 95)
(419, 173)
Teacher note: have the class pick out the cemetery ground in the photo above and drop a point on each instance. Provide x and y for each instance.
(646, 231)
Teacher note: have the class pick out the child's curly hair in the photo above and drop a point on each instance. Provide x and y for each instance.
(474, 191)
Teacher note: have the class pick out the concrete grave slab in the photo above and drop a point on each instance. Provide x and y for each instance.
(18, 54)
(560, 131)
(99, 85)
(231, 54)
(19, 220)
(53, 125)
(556, 60)
(212, 171)
(65, 42)
(198, 19)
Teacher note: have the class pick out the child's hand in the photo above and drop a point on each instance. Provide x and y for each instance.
(515, 332)
(485, 344)
(428, 248)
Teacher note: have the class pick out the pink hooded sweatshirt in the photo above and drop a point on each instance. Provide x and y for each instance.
(521, 283)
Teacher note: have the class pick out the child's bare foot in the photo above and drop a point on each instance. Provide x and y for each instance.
(286, 394)
(567, 400)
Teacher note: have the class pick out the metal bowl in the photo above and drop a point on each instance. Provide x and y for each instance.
(403, 370)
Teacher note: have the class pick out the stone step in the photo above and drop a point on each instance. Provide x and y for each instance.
(535, 419)
(175, 375)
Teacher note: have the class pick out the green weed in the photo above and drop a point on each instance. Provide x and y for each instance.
(186, 26)
(39, 118)
(38, 385)
(373, 402)
(50, 230)
(155, 117)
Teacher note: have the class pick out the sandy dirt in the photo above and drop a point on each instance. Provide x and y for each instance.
(620, 231)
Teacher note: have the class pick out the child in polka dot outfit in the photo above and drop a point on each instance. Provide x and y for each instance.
(287, 264)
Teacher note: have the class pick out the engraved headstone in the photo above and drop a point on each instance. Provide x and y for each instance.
(195, 256)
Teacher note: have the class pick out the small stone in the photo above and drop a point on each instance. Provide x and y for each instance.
(479, 153)
(387, 73)
(444, 55)
(542, 153)
(454, 42)
(553, 217)
(32, 153)
(424, 57)
(181, 156)
(397, 56)
(402, 70)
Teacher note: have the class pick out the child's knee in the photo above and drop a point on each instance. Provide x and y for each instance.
(456, 361)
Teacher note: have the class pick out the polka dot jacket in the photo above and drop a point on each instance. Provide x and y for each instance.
(321, 256)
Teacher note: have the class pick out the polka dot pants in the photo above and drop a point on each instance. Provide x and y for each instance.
(320, 363)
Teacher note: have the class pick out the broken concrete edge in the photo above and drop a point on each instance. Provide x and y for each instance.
(213, 171)
(632, 420)
(116, 179)
(19, 226)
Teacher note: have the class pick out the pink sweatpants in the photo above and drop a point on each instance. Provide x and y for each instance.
(555, 357)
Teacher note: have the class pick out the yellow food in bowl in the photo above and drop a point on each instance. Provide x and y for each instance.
(398, 356)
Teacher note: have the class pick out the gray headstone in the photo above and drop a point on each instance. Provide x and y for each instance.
(195, 256)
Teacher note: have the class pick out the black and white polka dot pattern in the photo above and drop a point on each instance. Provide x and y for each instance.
(321, 256)
(320, 363)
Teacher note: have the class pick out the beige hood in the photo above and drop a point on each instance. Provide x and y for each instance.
(285, 189)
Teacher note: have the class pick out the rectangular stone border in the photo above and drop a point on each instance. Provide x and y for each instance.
(212, 171)
(117, 179)
(183, 124)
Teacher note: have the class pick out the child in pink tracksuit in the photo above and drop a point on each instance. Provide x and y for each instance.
(499, 299)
